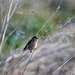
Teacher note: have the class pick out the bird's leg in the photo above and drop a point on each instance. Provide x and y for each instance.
(30, 51)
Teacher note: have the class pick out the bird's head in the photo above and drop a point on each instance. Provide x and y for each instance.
(34, 37)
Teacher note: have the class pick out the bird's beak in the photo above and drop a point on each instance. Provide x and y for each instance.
(36, 38)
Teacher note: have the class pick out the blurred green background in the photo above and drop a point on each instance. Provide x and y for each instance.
(30, 16)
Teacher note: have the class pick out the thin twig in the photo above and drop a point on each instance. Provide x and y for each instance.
(17, 63)
(3, 25)
(64, 64)
(9, 12)
(3, 21)
(10, 34)
(14, 10)
(8, 15)
(50, 18)
(28, 62)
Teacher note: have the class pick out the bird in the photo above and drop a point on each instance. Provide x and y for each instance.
(32, 44)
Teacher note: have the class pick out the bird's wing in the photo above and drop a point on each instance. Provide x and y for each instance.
(30, 43)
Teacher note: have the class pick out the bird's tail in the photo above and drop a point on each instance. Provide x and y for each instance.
(25, 48)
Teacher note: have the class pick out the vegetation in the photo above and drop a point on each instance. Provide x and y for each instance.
(28, 19)
(22, 19)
